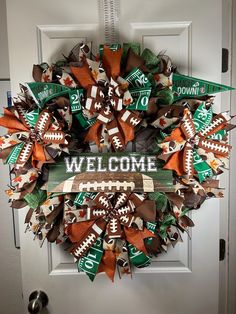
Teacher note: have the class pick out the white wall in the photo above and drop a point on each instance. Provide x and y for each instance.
(10, 270)
(4, 61)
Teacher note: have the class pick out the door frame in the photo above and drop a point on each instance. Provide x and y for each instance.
(227, 273)
(231, 304)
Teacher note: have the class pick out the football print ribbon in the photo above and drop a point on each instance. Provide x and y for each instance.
(112, 217)
(195, 138)
(30, 135)
(111, 115)
(109, 97)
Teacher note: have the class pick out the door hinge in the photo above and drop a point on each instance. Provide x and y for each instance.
(222, 249)
(225, 60)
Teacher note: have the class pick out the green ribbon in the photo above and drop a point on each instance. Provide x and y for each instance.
(14, 154)
(151, 226)
(140, 89)
(184, 211)
(202, 117)
(201, 167)
(137, 78)
(84, 122)
(218, 136)
(163, 136)
(160, 200)
(167, 221)
(36, 198)
(134, 46)
(164, 96)
(80, 197)
(138, 258)
(76, 96)
(140, 98)
(32, 117)
(152, 62)
(90, 263)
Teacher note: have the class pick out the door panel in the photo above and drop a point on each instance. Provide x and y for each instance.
(174, 38)
(178, 259)
(55, 40)
(185, 280)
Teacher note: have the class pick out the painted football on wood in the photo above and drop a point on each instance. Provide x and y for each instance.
(110, 182)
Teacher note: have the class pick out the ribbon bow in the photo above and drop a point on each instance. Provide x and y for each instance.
(197, 136)
(111, 117)
(108, 97)
(105, 217)
(113, 217)
(30, 133)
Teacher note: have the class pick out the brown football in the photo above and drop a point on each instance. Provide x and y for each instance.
(110, 182)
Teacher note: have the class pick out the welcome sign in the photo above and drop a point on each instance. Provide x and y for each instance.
(109, 172)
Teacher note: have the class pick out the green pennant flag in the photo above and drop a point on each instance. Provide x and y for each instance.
(43, 92)
(186, 86)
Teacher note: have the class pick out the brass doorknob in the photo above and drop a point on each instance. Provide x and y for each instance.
(37, 301)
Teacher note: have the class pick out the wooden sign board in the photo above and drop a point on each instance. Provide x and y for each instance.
(109, 172)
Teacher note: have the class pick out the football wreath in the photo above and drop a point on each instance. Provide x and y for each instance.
(110, 152)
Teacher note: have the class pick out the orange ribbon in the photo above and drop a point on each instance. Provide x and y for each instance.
(83, 75)
(175, 162)
(10, 121)
(108, 264)
(77, 231)
(94, 132)
(136, 237)
(111, 61)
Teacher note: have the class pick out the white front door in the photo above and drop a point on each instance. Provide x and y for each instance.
(186, 279)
